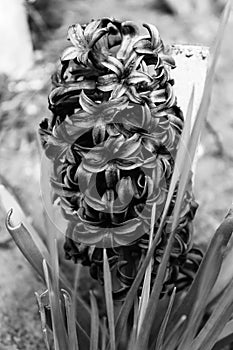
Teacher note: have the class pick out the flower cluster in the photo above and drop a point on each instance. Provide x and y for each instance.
(113, 140)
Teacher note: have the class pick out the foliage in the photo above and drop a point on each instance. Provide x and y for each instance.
(188, 320)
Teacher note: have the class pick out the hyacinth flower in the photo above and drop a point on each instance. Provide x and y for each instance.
(107, 172)
(112, 140)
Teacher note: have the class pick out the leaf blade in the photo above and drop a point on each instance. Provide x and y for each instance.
(109, 300)
(58, 326)
(94, 323)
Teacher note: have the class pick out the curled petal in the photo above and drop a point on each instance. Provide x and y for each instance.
(107, 79)
(97, 35)
(76, 36)
(98, 132)
(107, 87)
(138, 77)
(129, 28)
(69, 54)
(156, 42)
(114, 65)
(87, 234)
(133, 95)
(60, 91)
(143, 51)
(133, 60)
(129, 32)
(118, 91)
(61, 189)
(93, 200)
(83, 178)
(168, 59)
(158, 96)
(129, 148)
(90, 29)
(86, 103)
(129, 164)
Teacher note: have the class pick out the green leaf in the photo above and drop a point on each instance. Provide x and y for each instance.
(161, 335)
(205, 101)
(58, 325)
(127, 305)
(207, 270)
(147, 280)
(8, 200)
(43, 320)
(181, 158)
(196, 299)
(227, 331)
(26, 244)
(28, 247)
(76, 284)
(159, 280)
(133, 336)
(209, 334)
(104, 334)
(226, 336)
(109, 300)
(71, 322)
(175, 334)
(94, 323)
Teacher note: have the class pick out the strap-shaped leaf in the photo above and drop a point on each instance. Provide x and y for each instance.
(43, 320)
(26, 244)
(8, 200)
(71, 322)
(226, 336)
(94, 323)
(197, 297)
(209, 334)
(212, 261)
(160, 339)
(58, 325)
(180, 161)
(109, 300)
(147, 280)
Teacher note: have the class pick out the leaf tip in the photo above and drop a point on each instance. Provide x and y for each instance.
(10, 225)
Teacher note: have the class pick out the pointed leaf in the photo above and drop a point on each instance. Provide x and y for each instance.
(25, 243)
(71, 322)
(161, 335)
(104, 335)
(147, 280)
(226, 336)
(94, 323)
(205, 277)
(58, 325)
(109, 300)
(43, 320)
(215, 324)
(180, 159)
(8, 201)
(31, 252)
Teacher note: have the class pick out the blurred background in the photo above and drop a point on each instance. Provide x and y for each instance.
(32, 37)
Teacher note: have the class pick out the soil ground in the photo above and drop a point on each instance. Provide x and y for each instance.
(20, 162)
